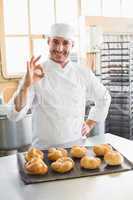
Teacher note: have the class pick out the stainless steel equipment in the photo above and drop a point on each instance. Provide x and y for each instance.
(117, 76)
(15, 135)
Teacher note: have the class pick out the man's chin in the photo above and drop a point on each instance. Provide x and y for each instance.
(59, 60)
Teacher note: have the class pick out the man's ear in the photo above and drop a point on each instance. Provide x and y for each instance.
(73, 43)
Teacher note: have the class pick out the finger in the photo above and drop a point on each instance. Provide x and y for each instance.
(83, 132)
(31, 60)
(40, 67)
(28, 67)
(86, 134)
(39, 71)
(83, 127)
(39, 75)
(36, 59)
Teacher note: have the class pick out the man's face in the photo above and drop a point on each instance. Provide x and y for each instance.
(59, 49)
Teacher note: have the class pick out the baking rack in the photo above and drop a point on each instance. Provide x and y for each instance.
(117, 76)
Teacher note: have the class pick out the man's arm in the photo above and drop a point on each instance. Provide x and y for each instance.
(22, 100)
(34, 74)
(97, 93)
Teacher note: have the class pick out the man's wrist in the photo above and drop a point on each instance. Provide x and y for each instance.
(25, 88)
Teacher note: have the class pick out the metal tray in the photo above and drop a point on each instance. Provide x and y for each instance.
(76, 172)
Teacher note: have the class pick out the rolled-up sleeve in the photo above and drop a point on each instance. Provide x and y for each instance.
(12, 113)
(98, 93)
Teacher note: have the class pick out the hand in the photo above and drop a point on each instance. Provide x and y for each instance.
(34, 72)
(85, 130)
(87, 127)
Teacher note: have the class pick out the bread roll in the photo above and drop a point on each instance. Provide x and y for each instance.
(90, 162)
(36, 166)
(113, 158)
(56, 153)
(101, 149)
(34, 152)
(78, 151)
(63, 165)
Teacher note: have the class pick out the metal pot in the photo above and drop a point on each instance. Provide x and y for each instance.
(15, 135)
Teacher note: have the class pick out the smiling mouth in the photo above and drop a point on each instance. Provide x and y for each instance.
(58, 53)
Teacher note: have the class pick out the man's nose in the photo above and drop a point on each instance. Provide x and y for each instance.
(59, 47)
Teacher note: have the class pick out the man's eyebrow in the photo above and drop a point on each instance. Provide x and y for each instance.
(67, 40)
(55, 40)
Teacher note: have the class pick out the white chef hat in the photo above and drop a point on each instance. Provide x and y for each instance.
(62, 30)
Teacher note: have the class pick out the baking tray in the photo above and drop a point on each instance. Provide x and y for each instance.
(76, 172)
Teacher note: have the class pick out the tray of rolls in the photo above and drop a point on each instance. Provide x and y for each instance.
(37, 165)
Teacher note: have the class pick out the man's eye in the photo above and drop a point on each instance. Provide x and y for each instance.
(55, 41)
(66, 42)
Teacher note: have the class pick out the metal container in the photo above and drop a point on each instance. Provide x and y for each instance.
(15, 135)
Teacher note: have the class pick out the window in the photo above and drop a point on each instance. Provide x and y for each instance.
(25, 25)
(17, 52)
(107, 8)
(127, 8)
(91, 7)
(41, 15)
(67, 11)
(111, 8)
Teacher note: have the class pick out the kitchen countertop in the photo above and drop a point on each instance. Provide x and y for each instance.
(118, 186)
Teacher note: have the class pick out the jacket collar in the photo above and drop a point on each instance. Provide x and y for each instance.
(56, 66)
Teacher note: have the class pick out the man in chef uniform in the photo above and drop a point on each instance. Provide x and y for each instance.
(56, 92)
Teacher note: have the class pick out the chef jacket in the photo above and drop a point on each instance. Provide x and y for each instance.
(58, 102)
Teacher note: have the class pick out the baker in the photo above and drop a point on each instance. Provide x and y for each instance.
(56, 92)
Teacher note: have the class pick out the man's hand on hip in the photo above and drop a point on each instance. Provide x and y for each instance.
(88, 125)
